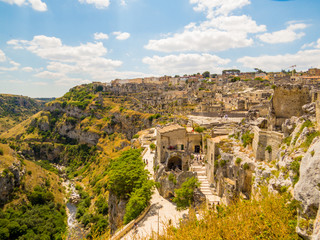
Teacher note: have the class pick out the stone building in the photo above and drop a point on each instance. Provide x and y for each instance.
(287, 101)
(175, 145)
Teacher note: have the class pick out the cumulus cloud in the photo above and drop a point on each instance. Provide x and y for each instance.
(2, 56)
(123, 3)
(219, 32)
(69, 64)
(289, 34)
(37, 5)
(51, 48)
(216, 7)
(185, 63)
(303, 59)
(121, 35)
(100, 4)
(27, 69)
(101, 36)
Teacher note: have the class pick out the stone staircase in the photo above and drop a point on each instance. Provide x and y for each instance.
(211, 196)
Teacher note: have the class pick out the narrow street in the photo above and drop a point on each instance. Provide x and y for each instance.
(161, 212)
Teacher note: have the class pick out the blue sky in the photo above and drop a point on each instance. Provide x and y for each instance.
(47, 47)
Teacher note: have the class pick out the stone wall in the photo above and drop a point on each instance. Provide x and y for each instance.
(318, 113)
(262, 139)
(287, 101)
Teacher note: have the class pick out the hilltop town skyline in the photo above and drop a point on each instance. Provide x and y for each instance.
(48, 47)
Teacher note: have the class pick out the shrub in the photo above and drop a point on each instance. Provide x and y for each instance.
(247, 138)
(272, 217)
(269, 149)
(246, 166)
(223, 163)
(199, 129)
(139, 200)
(184, 195)
(238, 160)
(135, 136)
(152, 146)
(172, 178)
(1, 151)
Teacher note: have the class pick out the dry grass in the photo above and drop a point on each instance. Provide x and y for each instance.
(20, 128)
(7, 158)
(269, 218)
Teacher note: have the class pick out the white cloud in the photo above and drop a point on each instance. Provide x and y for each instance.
(39, 83)
(303, 59)
(318, 43)
(51, 48)
(69, 64)
(17, 2)
(123, 3)
(286, 35)
(3, 57)
(37, 5)
(185, 63)
(121, 35)
(216, 7)
(220, 32)
(27, 69)
(101, 36)
(11, 66)
(100, 4)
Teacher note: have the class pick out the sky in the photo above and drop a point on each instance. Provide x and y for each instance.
(50, 46)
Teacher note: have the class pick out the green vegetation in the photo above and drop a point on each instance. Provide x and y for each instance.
(184, 195)
(136, 136)
(129, 180)
(269, 149)
(1, 151)
(172, 178)
(272, 217)
(247, 138)
(42, 219)
(153, 146)
(199, 129)
(238, 160)
(295, 167)
(310, 136)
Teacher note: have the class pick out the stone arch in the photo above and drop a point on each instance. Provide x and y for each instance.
(174, 162)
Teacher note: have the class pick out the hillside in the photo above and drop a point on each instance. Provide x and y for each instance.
(15, 109)
(32, 199)
(84, 131)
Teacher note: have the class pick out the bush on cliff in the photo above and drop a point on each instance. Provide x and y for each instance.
(272, 217)
(184, 195)
(129, 180)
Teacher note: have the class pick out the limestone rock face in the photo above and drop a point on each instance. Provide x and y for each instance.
(117, 210)
(307, 189)
(9, 179)
(309, 108)
(288, 126)
(167, 186)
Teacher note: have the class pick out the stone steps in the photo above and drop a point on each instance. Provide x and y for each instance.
(205, 185)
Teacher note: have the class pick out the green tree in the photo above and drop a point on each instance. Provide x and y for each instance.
(206, 74)
(184, 195)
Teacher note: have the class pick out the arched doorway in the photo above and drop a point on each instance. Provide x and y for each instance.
(174, 163)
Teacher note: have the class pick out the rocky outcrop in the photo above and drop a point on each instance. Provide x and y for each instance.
(117, 210)
(171, 180)
(9, 179)
(307, 190)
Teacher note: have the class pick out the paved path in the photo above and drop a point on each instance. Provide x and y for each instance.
(160, 213)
